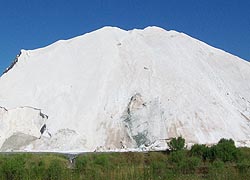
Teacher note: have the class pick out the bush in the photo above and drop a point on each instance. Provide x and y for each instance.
(176, 144)
(176, 157)
(212, 153)
(199, 151)
(226, 150)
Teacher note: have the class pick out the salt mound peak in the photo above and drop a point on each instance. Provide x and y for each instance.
(120, 90)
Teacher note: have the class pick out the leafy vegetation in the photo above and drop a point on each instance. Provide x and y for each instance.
(176, 144)
(220, 161)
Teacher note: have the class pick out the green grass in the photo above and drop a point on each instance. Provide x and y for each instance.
(152, 166)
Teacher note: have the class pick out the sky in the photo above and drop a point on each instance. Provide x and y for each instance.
(27, 24)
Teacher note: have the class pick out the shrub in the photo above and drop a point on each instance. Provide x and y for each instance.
(226, 150)
(176, 144)
(176, 157)
(212, 153)
(199, 151)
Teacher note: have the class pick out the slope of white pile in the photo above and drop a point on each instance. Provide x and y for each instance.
(23, 122)
(178, 86)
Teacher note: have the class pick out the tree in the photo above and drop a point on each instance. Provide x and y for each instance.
(176, 144)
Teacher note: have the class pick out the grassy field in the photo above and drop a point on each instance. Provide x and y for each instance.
(178, 164)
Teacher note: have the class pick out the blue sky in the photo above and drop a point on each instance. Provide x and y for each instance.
(27, 24)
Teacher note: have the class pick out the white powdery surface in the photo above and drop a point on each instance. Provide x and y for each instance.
(112, 90)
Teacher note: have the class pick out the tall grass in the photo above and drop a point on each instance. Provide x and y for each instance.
(122, 166)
